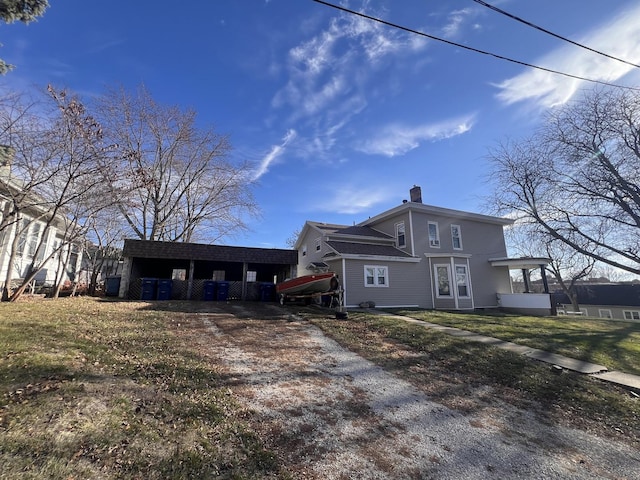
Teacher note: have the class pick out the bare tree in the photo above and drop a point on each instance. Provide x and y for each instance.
(566, 266)
(578, 178)
(173, 181)
(53, 180)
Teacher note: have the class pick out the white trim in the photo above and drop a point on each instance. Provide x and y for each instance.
(404, 234)
(413, 244)
(607, 311)
(466, 274)
(637, 312)
(437, 283)
(355, 256)
(375, 276)
(448, 255)
(433, 243)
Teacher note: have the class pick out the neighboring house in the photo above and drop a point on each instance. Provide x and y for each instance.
(35, 240)
(418, 255)
(615, 301)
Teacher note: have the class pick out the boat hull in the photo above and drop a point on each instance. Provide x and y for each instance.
(306, 285)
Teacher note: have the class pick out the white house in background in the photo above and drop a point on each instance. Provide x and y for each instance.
(35, 239)
(417, 255)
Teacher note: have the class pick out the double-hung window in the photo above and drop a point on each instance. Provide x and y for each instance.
(376, 276)
(462, 281)
(456, 237)
(434, 235)
(401, 239)
(318, 244)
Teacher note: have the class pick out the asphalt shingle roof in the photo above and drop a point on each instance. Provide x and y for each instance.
(350, 248)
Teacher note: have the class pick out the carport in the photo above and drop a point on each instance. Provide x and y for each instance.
(190, 267)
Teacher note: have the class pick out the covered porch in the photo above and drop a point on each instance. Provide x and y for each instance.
(528, 303)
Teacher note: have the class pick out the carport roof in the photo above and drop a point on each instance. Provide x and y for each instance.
(200, 251)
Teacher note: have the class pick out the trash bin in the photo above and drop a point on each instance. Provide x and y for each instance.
(148, 290)
(223, 291)
(112, 286)
(209, 290)
(165, 286)
(266, 292)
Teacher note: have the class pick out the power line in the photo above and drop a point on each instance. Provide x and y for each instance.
(465, 47)
(533, 25)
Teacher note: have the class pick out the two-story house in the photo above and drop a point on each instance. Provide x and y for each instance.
(417, 255)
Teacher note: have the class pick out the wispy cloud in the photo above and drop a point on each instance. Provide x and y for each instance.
(398, 139)
(456, 20)
(619, 37)
(274, 154)
(350, 199)
(328, 67)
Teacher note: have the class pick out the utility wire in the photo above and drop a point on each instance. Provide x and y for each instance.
(459, 45)
(533, 25)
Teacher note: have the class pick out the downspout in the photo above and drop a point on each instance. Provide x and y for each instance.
(473, 302)
(344, 283)
(431, 281)
(413, 248)
(454, 283)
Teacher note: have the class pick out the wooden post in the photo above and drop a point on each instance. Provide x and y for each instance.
(190, 282)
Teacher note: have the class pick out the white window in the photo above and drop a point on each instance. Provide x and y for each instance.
(631, 314)
(251, 276)
(218, 275)
(456, 237)
(401, 239)
(33, 239)
(179, 274)
(304, 250)
(462, 281)
(317, 244)
(443, 280)
(376, 276)
(24, 231)
(434, 235)
(604, 313)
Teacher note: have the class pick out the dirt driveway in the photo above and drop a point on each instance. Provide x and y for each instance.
(330, 414)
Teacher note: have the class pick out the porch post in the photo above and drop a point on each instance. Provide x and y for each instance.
(525, 279)
(190, 281)
(545, 283)
(245, 267)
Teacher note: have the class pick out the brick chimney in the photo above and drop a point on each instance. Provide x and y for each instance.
(416, 194)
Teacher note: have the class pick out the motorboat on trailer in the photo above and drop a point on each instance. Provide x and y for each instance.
(306, 285)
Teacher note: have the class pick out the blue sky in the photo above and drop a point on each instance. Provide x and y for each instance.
(341, 116)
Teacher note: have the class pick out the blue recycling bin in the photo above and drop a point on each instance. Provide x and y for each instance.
(165, 287)
(148, 290)
(209, 290)
(266, 292)
(223, 291)
(112, 286)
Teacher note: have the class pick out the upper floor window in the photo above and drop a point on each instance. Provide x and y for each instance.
(304, 250)
(376, 276)
(317, 244)
(456, 237)
(434, 235)
(401, 239)
(631, 314)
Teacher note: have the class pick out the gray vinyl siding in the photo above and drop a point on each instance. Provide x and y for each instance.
(481, 241)
(409, 284)
(312, 255)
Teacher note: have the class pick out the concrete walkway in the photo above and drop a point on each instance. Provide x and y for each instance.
(600, 372)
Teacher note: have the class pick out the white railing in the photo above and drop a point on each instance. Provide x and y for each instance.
(524, 300)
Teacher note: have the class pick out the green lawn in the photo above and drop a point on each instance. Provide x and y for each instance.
(99, 389)
(614, 344)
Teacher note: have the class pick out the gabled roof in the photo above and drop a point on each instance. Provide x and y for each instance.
(440, 211)
(350, 248)
(199, 251)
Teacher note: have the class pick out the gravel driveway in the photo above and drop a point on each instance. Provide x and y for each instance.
(330, 414)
